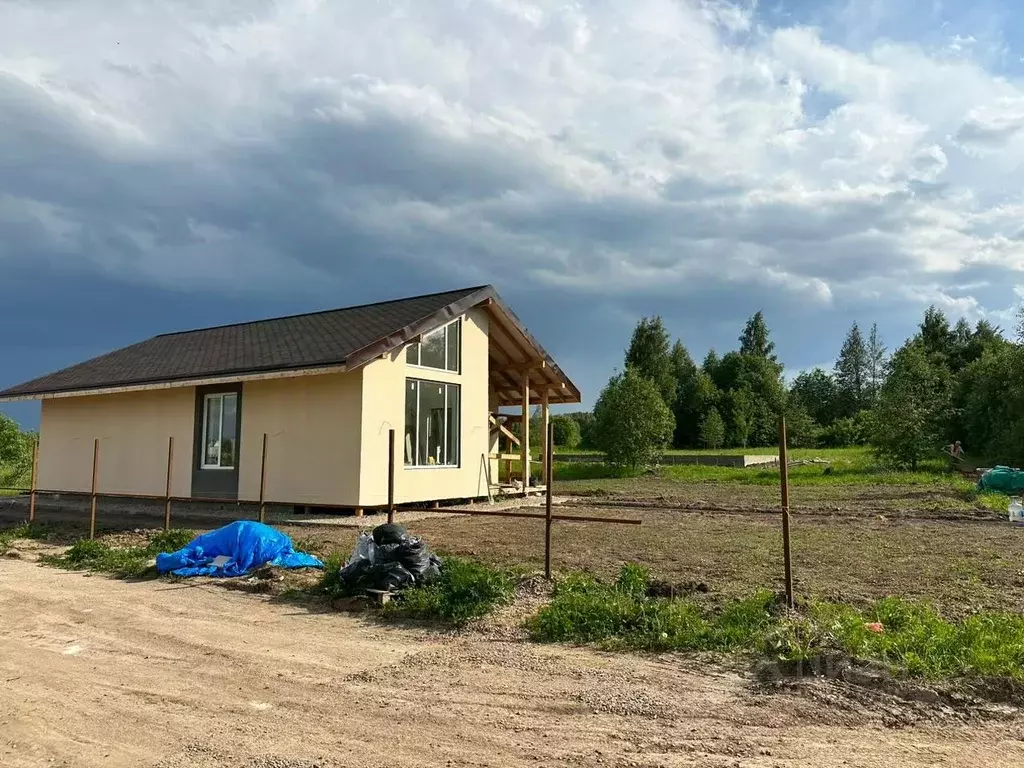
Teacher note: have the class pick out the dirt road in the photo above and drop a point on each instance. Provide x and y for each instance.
(97, 672)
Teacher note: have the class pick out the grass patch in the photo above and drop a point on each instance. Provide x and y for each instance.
(465, 591)
(915, 639)
(23, 531)
(122, 562)
(621, 615)
(845, 467)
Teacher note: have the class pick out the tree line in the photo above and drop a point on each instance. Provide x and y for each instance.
(945, 383)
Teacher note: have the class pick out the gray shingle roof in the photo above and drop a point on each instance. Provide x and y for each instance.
(299, 341)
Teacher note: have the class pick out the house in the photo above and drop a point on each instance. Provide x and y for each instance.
(192, 411)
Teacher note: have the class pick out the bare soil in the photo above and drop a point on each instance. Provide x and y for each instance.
(99, 672)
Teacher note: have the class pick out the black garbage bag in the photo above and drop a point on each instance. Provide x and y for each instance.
(355, 572)
(393, 560)
(388, 577)
(432, 572)
(389, 533)
(413, 554)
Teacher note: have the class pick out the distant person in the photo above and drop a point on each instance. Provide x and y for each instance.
(956, 454)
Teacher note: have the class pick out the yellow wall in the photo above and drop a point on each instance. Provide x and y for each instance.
(327, 435)
(384, 409)
(133, 429)
(313, 431)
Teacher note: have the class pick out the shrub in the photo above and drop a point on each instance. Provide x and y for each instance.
(566, 431)
(632, 423)
(170, 541)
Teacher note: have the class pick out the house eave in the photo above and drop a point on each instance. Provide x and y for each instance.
(284, 373)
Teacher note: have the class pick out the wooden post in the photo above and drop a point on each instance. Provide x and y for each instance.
(92, 494)
(263, 481)
(167, 491)
(35, 482)
(784, 474)
(391, 476)
(545, 422)
(524, 435)
(548, 442)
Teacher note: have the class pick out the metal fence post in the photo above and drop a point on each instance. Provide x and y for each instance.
(263, 481)
(92, 493)
(547, 500)
(784, 475)
(391, 476)
(167, 490)
(35, 482)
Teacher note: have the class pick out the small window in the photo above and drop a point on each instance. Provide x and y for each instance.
(438, 349)
(220, 427)
(431, 424)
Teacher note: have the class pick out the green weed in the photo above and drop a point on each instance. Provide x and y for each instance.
(122, 562)
(620, 614)
(465, 591)
(23, 531)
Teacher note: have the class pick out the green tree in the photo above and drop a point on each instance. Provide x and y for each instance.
(912, 408)
(993, 405)
(755, 339)
(566, 431)
(852, 373)
(801, 430)
(736, 408)
(649, 355)
(15, 453)
(935, 336)
(585, 421)
(632, 423)
(711, 363)
(877, 357)
(685, 372)
(712, 430)
(845, 432)
(815, 391)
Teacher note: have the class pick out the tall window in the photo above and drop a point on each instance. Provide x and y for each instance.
(439, 349)
(431, 424)
(220, 427)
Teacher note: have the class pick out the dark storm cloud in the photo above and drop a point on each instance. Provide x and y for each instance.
(194, 163)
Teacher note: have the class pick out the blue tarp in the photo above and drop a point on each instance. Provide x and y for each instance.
(247, 544)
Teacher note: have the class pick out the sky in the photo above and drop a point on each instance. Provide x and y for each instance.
(175, 165)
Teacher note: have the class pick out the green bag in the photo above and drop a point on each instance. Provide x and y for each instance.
(1004, 480)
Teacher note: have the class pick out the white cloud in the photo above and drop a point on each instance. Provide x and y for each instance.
(619, 148)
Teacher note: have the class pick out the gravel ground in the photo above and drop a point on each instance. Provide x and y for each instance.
(99, 672)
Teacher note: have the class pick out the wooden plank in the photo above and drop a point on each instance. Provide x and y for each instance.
(499, 427)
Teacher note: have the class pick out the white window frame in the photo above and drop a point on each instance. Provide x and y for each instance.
(458, 421)
(419, 348)
(220, 427)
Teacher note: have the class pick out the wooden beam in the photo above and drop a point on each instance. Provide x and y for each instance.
(499, 427)
(525, 444)
(545, 419)
(528, 367)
